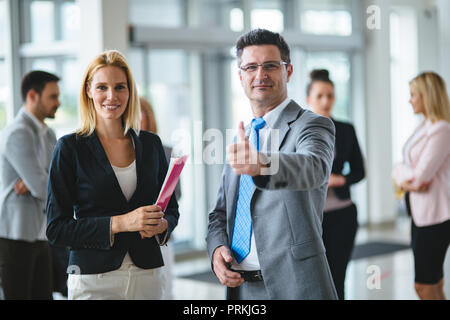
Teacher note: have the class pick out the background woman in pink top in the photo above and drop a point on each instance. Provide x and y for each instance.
(425, 174)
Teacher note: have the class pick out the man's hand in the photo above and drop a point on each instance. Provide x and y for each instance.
(336, 180)
(221, 259)
(242, 155)
(21, 188)
(411, 187)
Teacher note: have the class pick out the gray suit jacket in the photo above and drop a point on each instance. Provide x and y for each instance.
(286, 209)
(22, 217)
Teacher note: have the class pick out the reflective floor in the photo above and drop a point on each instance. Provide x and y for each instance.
(384, 277)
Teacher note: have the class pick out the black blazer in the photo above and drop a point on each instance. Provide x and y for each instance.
(347, 150)
(83, 195)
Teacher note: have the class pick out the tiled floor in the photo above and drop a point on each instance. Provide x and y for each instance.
(395, 271)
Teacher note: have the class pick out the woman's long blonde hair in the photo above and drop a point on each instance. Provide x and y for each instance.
(431, 88)
(131, 118)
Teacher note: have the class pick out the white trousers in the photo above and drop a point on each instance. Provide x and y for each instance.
(126, 283)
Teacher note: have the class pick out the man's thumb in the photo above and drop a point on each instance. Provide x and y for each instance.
(241, 131)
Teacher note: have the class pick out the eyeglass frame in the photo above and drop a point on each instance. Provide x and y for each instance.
(245, 68)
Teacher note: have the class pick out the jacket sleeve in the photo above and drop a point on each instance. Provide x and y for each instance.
(309, 166)
(357, 171)
(217, 225)
(62, 228)
(433, 155)
(22, 155)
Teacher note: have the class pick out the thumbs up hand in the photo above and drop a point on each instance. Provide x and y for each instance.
(242, 155)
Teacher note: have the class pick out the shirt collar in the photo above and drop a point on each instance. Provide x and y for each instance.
(272, 116)
(42, 127)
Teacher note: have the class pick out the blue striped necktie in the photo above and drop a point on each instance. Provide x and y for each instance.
(240, 244)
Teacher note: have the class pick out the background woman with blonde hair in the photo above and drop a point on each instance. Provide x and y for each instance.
(425, 175)
(103, 182)
(148, 123)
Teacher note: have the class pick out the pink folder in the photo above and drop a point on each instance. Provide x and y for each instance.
(170, 182)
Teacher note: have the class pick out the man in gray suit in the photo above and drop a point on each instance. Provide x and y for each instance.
(265, 232)
(26, 146)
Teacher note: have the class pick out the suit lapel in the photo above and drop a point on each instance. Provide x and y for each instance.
(138, 155)
(282, 125)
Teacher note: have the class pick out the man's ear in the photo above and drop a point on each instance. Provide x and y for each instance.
(32, 96)
(290, 70)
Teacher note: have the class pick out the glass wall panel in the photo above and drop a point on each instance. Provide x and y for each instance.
(70, 18)
(267, 14)
(332, 17)
(338, 64)
(3, 78)
(42, 21)
(157, 13)
(2, 27)
(67, 69)
(172, 95)
(4, 93)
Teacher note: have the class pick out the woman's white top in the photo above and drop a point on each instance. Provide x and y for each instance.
(127, 179)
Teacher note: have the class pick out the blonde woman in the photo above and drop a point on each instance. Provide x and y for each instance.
(425, 175)
(104, 181)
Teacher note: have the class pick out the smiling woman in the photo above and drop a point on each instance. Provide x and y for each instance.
(110, 174)
(109, 91)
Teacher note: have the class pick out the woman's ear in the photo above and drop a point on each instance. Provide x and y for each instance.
(88, 91)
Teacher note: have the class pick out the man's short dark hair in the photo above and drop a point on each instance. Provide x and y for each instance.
(260, 37)
(36, 80)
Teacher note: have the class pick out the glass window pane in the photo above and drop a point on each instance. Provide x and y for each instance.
(267, 14)
(42, 21)
(212, 13)
(239, 101)
(167, 13)
(44, 64)
(70, 21)
(236, 19)
(338, 64)
(66, 119)
(171, 94)
(67, 116)
(4, 93)
(332, 17)
(2, 26)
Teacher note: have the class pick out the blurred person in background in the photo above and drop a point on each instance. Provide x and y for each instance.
(104, 181)
(424, 175)
(148, 123)
(340, 222)
(26, 147)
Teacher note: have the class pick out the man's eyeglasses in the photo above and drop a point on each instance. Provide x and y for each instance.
(267, 66)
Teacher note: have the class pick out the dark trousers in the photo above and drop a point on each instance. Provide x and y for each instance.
(339, 231)
(25, 270)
